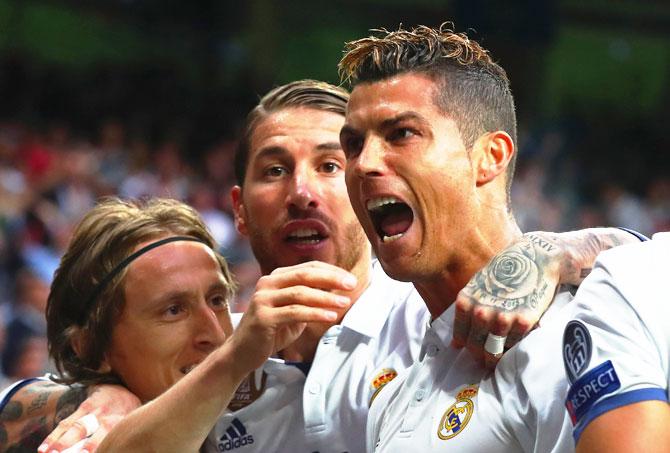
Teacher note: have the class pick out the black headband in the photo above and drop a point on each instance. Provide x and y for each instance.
(123, 264)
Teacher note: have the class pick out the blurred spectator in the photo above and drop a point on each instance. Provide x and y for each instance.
(25, 352)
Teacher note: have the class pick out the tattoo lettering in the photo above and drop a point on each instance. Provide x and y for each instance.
(69, 402)
(542, 243)
(38, 403)
(12, 411)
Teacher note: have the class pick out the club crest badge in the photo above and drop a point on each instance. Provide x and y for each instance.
(380, 380)
(457, 416)
(577, 349)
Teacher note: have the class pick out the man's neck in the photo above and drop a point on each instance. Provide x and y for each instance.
(439, 290)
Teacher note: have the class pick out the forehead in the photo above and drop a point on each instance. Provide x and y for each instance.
(376, 101)
(168, 265)
(295, 127)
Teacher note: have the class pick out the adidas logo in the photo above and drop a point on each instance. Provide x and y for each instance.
(235, 437)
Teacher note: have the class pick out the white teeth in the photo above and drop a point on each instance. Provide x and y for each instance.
(376, 203)
(395, 237)
(304, 232)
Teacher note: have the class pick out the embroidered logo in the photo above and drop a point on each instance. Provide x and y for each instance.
(457, 416)
(380, 380)
(235, 437)
(600, 381)
(576, 349)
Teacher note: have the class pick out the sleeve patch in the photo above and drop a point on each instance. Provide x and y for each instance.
(600, 381)
(576, 349)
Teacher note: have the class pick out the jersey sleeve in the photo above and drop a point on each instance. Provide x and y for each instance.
(613, 352)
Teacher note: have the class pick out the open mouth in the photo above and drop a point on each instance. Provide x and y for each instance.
(390, 217)
(305, 236)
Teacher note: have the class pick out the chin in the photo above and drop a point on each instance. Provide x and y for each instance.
(399, 270)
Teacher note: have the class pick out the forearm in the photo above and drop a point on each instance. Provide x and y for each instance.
(181, 418)
(580, 249)
(34, 411)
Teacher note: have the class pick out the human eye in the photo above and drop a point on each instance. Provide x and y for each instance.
(173, 311)
(402, 133)
(218, 302)
(351, 145)
(330, 167)
(275, 171)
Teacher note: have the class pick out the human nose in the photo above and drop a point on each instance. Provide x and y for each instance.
(303, 190)
(370, 161)
(208, 331)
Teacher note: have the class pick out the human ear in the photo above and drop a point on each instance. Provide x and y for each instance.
(494, 151)
(238, 209)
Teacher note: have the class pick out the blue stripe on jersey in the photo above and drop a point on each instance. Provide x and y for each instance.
(616, 401)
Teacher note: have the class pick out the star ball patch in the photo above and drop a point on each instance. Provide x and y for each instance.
(457, 416)
(577, 348)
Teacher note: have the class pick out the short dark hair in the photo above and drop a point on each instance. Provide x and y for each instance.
(106, 236)
(472, 88)
(301, 93)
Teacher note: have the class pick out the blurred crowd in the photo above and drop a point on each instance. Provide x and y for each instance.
(49, 177)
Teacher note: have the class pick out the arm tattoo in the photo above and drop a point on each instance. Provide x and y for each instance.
(12, 411)
(38, 403)
(69, 402)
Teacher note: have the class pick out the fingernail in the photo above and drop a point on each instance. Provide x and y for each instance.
(342, 301)
(349, 281)
(331, 315)
(42, 448)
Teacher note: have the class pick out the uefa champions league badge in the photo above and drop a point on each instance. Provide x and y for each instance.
(457, 416)
(382, 378)
(577, 349)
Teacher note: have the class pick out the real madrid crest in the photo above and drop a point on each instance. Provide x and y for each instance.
(457, 416)
(382, 378)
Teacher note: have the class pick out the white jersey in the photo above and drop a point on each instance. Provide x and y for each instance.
(326, 411)
(617, 348)
(447, 402)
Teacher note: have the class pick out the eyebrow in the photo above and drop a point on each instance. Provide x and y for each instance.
(404, 116)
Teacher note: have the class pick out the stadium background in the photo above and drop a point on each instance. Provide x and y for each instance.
(145, 97)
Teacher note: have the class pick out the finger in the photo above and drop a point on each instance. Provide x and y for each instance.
(479, 329)
(500, 326)
(64, 426)
(519, 329)
(73, 434)
(327, 278)
(462, 320)
(300, 313)
(301, 295)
